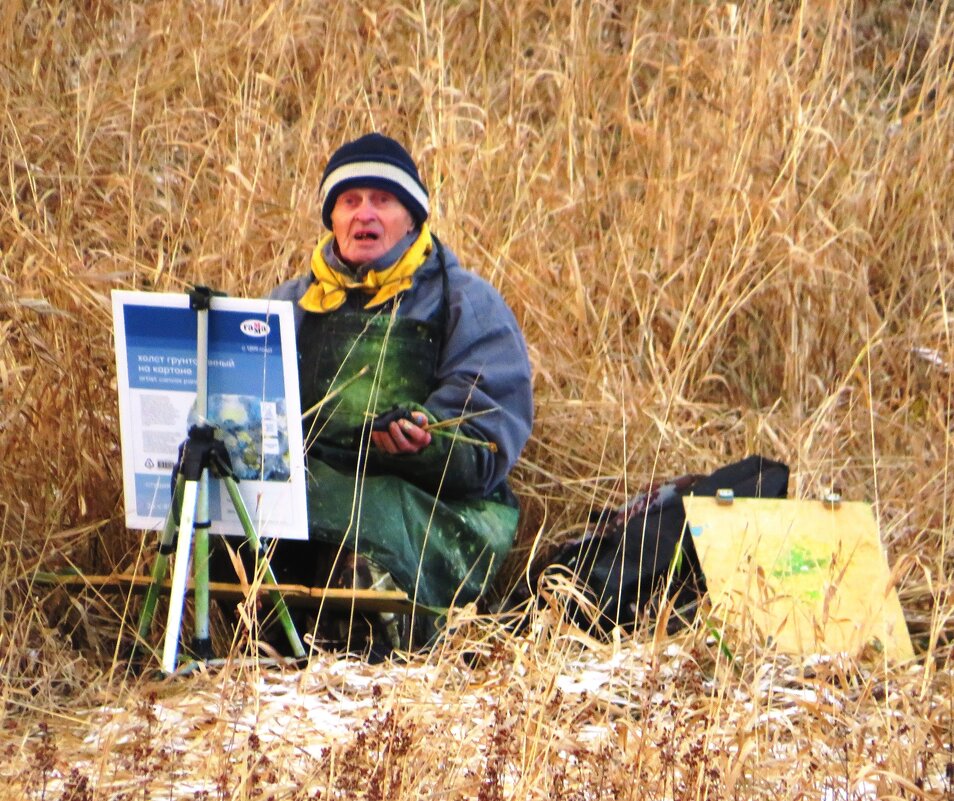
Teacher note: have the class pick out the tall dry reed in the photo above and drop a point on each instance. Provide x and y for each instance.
(725, 228)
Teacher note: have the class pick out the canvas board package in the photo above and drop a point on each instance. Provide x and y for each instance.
(809, 577)
(253, 402)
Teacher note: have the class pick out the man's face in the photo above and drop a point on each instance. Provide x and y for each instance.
(367, 223)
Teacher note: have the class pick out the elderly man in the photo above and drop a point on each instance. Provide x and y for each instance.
(418, 382)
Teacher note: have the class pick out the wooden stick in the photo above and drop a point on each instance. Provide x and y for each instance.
(294, 594)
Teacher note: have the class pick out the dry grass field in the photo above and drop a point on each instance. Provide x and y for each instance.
(726, 228)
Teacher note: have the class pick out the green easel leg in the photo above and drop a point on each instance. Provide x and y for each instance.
(159, 569)
(281, 609)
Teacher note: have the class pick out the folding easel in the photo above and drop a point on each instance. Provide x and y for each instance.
(186, 529)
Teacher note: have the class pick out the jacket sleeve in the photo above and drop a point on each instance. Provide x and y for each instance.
(484, 367)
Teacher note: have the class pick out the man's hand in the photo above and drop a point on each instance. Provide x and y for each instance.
(403, 436)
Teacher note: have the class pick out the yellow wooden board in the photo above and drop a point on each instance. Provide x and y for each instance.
(811, 577)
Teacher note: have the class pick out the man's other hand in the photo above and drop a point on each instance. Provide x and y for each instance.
(403, 436)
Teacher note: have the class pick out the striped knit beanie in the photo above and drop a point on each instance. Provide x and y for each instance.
(375, 162)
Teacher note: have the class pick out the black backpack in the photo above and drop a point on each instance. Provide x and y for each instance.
(636, 556)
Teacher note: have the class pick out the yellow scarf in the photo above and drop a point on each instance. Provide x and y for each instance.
(330, 287)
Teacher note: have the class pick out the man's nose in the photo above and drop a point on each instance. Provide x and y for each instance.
(365, 209)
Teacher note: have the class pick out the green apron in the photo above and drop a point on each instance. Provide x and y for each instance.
(439, 550)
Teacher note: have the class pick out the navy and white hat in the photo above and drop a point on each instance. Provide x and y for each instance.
(377, 162)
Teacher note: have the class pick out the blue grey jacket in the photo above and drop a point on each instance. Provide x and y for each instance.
(483, 364)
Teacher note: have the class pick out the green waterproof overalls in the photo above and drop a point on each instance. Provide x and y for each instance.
(440, 550)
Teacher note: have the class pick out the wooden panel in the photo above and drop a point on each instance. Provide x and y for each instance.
(812, 578)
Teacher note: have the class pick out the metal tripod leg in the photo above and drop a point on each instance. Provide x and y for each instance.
(159, 568)
(180, 574)
(186, 499)
(201, 641)
(281, 608)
